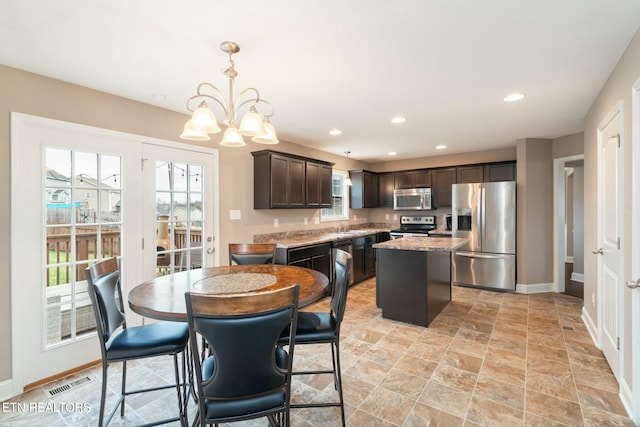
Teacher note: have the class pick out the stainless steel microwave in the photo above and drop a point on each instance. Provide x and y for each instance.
(412, 199)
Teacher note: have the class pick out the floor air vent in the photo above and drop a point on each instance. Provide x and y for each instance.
(68, 386)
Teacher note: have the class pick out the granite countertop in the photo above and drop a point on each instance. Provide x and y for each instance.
(444, 244)
(298, 241)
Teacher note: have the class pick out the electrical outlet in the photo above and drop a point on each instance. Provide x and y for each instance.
(276, 223)
(386, 216)
(355, 217)
(395, 217)
(306, 220)
(316, 220)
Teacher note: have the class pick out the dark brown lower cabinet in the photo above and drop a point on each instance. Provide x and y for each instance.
(413, 286)
(316, 257)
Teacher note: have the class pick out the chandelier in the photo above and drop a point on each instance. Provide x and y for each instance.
(203, 122)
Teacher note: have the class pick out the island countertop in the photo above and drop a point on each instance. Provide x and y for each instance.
(441, 244)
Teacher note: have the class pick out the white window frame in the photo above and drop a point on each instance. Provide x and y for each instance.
(325, 216)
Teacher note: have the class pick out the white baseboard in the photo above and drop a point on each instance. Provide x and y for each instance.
(577, 277)
(534, 288)
(591, 327)
(626, 396)
(6, 390)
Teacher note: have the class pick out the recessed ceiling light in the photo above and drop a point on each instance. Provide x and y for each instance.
(335, 132)
(441, 147)
(398, 120)
(391, 153)
(513, 97)
(159, 96)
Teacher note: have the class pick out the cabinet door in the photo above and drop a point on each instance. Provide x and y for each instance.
(385, 190)
(297, 184)
(443, 179)
(423, 179)
(500, 172)
(326, 186)
(405, 180)
(370, 190)
(322, 263)
(313, 185)
(364, 189)
(279, 182)
(472, 173)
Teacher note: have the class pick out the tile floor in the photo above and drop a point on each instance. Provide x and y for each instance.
(489, 359)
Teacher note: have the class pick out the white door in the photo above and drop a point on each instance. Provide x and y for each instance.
(610, 284)
(78, 195)
(178, 220)
(635, 252)
(72, 203)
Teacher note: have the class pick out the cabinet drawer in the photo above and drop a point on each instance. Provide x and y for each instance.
(308, 252)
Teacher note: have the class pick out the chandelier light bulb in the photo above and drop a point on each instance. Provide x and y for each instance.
(232, 138)
(204, 118)
(269, 136)
(192, 132)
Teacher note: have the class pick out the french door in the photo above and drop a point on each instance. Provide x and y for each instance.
(79, 195)
(179, 225)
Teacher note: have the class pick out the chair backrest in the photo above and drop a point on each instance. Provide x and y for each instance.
(341, 286)
(242, 332)
(105, 292)
(252, 253)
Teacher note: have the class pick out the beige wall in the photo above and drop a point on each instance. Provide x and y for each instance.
(618, 87)
(570, 145)
(535, 212)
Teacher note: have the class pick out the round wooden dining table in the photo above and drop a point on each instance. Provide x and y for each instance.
(163, 298)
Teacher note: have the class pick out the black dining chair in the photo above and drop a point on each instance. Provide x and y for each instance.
(244, 374)
(119, 343)
(324, 328)
(252, 253)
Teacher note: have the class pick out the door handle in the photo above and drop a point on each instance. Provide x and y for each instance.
(633, 284)
(210, 251)
(597, 251)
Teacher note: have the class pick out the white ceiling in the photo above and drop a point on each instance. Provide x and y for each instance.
(444, 64)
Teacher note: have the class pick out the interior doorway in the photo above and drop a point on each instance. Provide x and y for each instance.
(569, 225)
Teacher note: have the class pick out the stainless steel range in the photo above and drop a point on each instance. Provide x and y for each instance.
(411, 225)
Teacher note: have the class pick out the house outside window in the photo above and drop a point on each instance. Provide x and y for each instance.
(340, 195)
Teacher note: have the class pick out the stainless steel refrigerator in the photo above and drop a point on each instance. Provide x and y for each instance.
(485, 213)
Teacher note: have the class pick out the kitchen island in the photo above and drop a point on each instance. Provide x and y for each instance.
(413, 277)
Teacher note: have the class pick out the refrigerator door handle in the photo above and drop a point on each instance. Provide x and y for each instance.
(483, 207)
(481, 255)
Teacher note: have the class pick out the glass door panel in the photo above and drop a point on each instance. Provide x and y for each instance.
(82, 201)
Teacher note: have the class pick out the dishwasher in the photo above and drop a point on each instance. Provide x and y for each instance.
(347, 246)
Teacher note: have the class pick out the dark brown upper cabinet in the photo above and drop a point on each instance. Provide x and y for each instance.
(386, 186)
(494, 172)
(319, 182)
(470, 173)
(413, 179)
(405, 179)
(280, 181)
(442, 180)
(364, 189)
(422, 178)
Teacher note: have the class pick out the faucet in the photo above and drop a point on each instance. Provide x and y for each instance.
(341, 228)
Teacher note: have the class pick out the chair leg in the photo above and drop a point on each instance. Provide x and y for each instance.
(182, 409)
(124, 386)
(103, 394)
(333, 361)
(338, 374)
